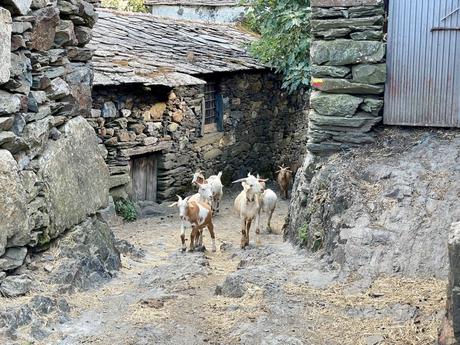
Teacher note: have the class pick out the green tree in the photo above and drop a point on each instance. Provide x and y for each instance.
(126, 5)
(284, 44)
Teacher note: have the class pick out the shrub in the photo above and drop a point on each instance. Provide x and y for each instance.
(284, 44)
(125, 208)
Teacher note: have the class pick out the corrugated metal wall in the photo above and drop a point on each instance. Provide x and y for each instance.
(423, 63)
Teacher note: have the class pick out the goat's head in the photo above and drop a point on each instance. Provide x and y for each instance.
(252, 183)
(205, 191)
(262, 182)
(198, 177)
(182, 205)
(284, 171)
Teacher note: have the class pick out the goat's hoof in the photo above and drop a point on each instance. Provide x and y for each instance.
(183, 250)
(214, 249)
(191, 250)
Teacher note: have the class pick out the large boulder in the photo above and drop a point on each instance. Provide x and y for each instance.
(384, 208)
(5, 45)
(346, 52)
(76, 176)
(13, 220)
(87, 256)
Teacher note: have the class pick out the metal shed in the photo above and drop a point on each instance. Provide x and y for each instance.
(423, 63)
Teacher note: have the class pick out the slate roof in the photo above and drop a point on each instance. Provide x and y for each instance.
(142, 48)
(215, 3)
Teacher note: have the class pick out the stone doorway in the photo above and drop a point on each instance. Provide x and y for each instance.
(144, 174)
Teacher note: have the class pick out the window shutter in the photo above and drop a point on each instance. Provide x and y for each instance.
(219, 112)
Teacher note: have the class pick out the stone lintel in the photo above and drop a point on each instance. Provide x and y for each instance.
(140, 150)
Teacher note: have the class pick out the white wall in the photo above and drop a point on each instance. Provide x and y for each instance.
(214, 14)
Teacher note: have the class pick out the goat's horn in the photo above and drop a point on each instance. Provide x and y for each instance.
(263, 179)
(173, 204)
(240, 180)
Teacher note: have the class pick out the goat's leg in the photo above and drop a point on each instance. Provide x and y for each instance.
(257, 221)
(199, 240)
(213, 237)
(182, 236)
(218, 204)
(270, 214)
(193, 235)
(243, 233)
(248, 228)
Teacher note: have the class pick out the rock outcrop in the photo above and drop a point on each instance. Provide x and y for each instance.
(53, 178)
(385, 208)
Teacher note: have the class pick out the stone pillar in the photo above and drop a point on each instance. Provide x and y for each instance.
(348, 73)
(450, 331)
(5, 45)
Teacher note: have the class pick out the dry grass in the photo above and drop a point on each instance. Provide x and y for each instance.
(332, 322)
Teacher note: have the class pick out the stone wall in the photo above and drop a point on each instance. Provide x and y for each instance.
(450, 330)
(263, 127)
(52, 174)
(348, 73)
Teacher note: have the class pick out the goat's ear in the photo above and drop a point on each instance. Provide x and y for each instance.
(173, 204)
(240, 180)
(263, 179)
(277, 171)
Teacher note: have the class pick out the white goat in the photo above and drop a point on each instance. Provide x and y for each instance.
(267, 202)
(216, 187)
(247, 205)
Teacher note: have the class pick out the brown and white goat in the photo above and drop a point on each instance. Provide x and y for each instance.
(247, 205)
(216, 187)
(284, 178)
(198, 215)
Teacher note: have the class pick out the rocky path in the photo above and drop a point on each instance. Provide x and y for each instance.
(268, 294)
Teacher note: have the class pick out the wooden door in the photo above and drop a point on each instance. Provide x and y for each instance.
(144, 178)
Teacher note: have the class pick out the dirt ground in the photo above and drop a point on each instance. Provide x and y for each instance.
(271, 293)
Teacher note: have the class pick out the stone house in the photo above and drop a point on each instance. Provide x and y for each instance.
(172, 96)
(220, 11)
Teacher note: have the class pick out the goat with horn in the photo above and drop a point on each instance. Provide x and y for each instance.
(247, 205)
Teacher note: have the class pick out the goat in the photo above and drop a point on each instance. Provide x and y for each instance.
(204, 193)
(216, 186)
(284, 179)
(267, 202)
(247, 205)
(199, 215)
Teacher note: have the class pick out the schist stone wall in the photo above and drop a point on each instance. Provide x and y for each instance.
(348, 73)
(52, 174)
(263, 127)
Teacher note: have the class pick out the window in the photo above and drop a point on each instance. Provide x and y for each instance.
(212, 109)
(210, 103)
